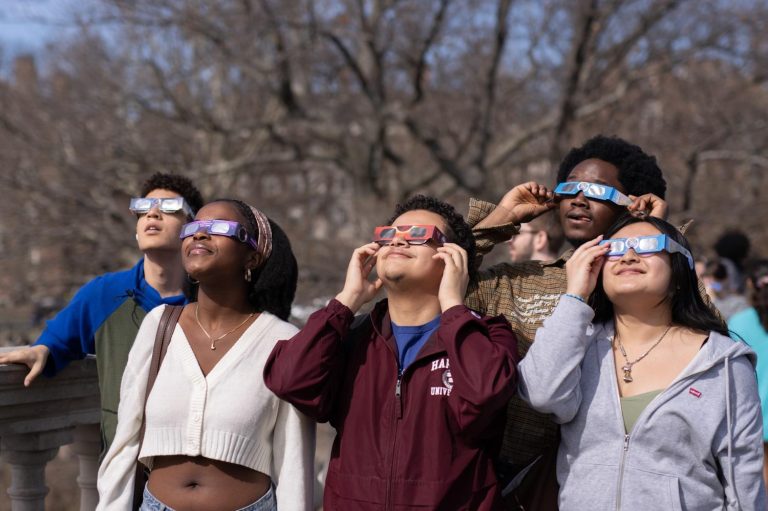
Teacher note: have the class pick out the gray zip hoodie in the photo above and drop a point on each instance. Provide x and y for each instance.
(698, 445)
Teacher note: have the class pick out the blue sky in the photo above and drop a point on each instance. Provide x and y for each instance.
(27, 25)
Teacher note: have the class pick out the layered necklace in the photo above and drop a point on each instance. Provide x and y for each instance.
(627, 368)
(214, 340)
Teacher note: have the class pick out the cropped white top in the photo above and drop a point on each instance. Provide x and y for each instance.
(228, 415)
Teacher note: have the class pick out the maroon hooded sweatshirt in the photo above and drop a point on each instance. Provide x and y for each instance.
(423, 438)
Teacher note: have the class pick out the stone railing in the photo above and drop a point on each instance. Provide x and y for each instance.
(36, 421)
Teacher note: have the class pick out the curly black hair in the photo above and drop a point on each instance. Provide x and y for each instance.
(638, 171)
(273, 284)
(175, 183)
(458, 231)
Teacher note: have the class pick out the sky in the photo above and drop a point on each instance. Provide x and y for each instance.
(27, 25)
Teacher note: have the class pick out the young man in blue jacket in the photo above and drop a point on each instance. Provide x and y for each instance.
(104, 315)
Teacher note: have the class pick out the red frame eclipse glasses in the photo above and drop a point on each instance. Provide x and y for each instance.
(413, 234)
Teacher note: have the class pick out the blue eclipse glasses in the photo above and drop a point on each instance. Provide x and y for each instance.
(646, 245)
(218, 228)
(593, 191)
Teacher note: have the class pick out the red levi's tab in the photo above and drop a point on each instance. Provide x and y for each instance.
(694, 392)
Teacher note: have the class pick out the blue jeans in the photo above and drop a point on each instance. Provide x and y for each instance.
(266, 502)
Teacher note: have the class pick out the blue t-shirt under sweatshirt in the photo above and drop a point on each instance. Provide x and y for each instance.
(410, 339)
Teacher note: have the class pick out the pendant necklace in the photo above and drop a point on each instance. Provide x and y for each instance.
(217, 339)
(627, 368)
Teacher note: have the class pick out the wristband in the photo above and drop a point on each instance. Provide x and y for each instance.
(575, 296)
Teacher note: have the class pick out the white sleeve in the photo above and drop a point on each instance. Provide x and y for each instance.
(293, 456)
(118, 469)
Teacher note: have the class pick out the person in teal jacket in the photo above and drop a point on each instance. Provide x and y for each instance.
(752, 326)
(104, 315)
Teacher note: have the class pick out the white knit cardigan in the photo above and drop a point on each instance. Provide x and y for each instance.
(228, 415)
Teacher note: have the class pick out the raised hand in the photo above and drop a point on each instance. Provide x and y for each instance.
(358, 289)
(649, 205)
(584, 266)
(527, 201)
(453, 285)
(33, 357)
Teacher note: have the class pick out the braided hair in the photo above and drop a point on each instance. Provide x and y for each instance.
(273, 284)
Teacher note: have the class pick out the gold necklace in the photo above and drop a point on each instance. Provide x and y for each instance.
(627, 368)
(214, 341)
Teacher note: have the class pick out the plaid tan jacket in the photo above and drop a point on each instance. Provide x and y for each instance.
(525, 293)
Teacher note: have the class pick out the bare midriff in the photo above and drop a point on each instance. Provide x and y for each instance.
(202, 484)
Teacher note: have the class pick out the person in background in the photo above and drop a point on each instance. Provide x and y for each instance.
(658, 408)
(732, 247)
(104, 316)
(416, 389)
(540, 239)
(215, 437)
(752, 325)
(721, 286)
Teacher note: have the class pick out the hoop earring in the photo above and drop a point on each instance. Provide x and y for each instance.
(248, 276)
(191, 280)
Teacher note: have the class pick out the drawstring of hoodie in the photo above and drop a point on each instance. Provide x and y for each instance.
(728, 419)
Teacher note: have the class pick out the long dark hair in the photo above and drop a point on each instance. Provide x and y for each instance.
(688, 307)
(273, 284)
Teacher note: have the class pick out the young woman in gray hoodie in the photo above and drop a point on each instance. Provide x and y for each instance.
(658, 406)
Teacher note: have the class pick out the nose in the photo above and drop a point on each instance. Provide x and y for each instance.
(579, 200)
(201, 233)
(399, 240)
(629, 256)
(154, 212)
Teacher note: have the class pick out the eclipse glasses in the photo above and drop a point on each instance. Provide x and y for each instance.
(645, 246)
(218, 228)
(141, 205)
(413, 234)
(593, 191)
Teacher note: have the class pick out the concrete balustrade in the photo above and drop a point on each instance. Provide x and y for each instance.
(36, 421)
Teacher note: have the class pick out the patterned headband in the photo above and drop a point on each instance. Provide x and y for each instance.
(264, 241)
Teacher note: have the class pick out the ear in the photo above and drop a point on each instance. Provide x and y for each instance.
(540, 241)
(253, 260)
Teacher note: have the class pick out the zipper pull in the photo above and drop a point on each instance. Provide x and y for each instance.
(626, 443)
(398, 394)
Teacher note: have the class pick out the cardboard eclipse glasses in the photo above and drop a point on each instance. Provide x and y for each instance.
(141, 205)
(646, 245)
(593, 191)
(218, 228)
(413, 234)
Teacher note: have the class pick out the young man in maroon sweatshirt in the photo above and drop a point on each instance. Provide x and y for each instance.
(416, 389)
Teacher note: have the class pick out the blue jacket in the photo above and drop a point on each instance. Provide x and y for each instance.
(103, 318)
(71, 334)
